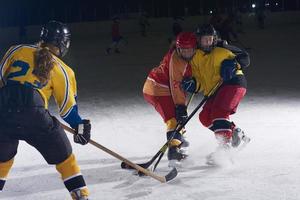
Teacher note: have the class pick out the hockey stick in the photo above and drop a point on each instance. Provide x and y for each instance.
(163, 149)
(159, 154)
(163, 152)
(178, 129)
(171, 175)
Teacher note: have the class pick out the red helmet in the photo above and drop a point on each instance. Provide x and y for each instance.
(186, 40)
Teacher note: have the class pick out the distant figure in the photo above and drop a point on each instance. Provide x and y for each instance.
(227, 29)
(143, 23)
(115, 35)
(216, 21)
(176, 28)
(260, 17)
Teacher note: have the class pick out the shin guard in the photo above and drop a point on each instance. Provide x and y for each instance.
(71, 175)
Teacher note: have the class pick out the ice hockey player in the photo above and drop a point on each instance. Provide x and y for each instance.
(29, 75)
(211, 65)
(162, 89)
(115, 36)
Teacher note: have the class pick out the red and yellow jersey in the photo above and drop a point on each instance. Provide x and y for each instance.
(206, 67)
(165, 79)
(17, 66)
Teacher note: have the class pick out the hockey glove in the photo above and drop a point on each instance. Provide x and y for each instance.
(83, 132)
(181, 113)
(189, 84)
(228, 69)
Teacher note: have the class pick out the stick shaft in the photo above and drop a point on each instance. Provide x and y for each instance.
(114, 154)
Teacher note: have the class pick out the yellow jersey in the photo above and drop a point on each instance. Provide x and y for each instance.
(206, 67)
(17, 66)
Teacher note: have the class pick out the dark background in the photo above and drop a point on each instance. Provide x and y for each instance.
(35, 12)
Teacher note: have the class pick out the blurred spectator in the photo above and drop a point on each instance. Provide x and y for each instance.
(176, 27)
(143, 23)
(186, 11)
(115, 35)
(227, 29)
(216, 20)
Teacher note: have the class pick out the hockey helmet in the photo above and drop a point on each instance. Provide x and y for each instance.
(207, 30)
(186, 43)
(58, 34)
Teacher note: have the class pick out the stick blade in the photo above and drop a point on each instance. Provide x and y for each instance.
(171, 175)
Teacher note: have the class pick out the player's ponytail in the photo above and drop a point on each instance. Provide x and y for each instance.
(43, 64)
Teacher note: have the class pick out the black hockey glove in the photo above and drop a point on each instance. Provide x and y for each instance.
(83, 132)
(228, 69)
(189, 84)
(181, 113)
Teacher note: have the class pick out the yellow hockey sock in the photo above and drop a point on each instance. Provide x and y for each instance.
(71, 175)
(4, 170)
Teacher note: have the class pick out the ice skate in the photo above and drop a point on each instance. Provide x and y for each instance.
(184, 142)
(177, 148)
(239, 136)
(79, 195)
(175, 156)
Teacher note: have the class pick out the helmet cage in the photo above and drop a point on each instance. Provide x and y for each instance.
(186, 53)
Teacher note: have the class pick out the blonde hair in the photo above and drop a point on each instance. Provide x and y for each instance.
(43, 64)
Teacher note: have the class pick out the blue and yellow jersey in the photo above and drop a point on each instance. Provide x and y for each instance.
(206, 67)
(17, 66)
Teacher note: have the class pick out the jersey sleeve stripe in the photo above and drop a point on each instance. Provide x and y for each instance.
(62, 106)
(161, 85)
(67, 113)
(185, 68)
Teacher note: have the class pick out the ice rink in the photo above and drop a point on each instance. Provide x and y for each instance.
(110, 94)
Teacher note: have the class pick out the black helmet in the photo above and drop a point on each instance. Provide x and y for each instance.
(58, 34)
(207, 30)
